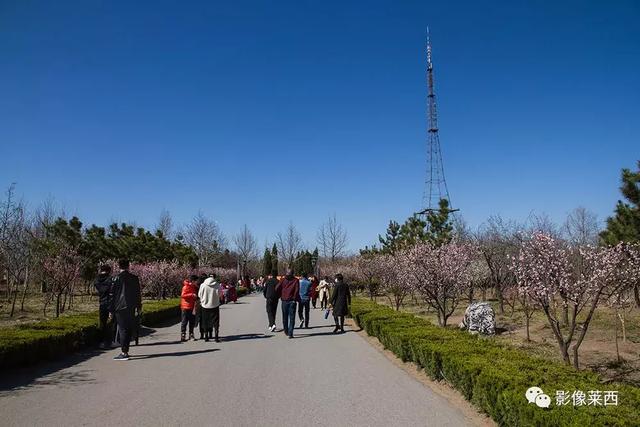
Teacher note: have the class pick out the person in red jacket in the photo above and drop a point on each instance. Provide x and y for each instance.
(314, 291)
(289, 291)
(187, 306)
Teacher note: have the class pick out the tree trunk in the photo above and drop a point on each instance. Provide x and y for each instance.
(616, 335)
(624, 329)
(470, 294)
(58, 295)
(441, 320)
(64, 303)
(14, 299)
(564, 351)
(636, 294)
(527, 321)
(500, 299)
(565, 315)
(25, 287)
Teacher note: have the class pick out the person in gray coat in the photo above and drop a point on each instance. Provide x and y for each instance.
(340, 301)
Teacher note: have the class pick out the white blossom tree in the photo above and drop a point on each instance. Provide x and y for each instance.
(561, 280)
(440, 274)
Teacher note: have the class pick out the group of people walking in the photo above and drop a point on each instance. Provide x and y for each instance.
(120, 299)
(200, 299)
(303, 293)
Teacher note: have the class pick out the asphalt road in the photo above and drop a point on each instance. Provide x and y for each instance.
(249, 379)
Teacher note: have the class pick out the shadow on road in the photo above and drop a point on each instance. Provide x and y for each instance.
(152, 343)
(52, 372)
(244, 337)
(173, 354)
(319, 327)
(319, 334)
(49, 373)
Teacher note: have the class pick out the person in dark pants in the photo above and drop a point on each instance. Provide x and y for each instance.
(340, 301)
(125, 301)
(271, 297)
(198, 307)
(187, 307)
(103, 286)
(289, 290)
(209, 295)
(305, 300)
(314, 291)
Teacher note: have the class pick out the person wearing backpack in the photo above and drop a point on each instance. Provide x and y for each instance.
(125, 302)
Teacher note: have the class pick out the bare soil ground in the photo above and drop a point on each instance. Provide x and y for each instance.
(597, 352)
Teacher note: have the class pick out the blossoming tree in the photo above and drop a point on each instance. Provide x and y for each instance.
(440, 274)
(563, 280)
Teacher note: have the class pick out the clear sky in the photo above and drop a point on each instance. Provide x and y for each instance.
(262, 112)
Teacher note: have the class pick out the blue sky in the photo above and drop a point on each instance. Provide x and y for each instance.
(269, 112)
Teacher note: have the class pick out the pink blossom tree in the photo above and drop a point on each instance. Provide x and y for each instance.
(621, 299)
(440, 274)
(61, 267)
(389, 274)
(563, 280)
(367, 270)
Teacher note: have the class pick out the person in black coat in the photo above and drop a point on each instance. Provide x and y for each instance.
(125, 300)
(271, 295)
(103, 286)
(340, 301)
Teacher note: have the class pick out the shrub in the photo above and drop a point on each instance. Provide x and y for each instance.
(492, 376)
(30, 343)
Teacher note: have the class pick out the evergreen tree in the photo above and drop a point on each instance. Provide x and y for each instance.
(624, 226)
(314, 261)
(440, 230)
(266, 262)
(306, 263)
(391, 240)
(274, 259)
(413, 231)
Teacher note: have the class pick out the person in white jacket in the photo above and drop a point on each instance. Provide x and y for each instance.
(324, 291)
(209, 294)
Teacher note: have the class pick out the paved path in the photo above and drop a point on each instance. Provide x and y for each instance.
(249, 379)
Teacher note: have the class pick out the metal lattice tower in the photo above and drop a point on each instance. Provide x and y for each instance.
(435, 183)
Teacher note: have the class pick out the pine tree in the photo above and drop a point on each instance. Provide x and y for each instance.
(266, 263)
(391, 240)
(274, 259)
(440, 229)
(624, 226)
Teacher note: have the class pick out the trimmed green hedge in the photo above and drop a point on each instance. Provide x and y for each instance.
(242, 291)
(28, 344)
(494, 377)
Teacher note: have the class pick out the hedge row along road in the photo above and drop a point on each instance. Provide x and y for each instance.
(495, 377)
(248, 379)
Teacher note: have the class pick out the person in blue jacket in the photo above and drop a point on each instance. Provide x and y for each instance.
(305, 301)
